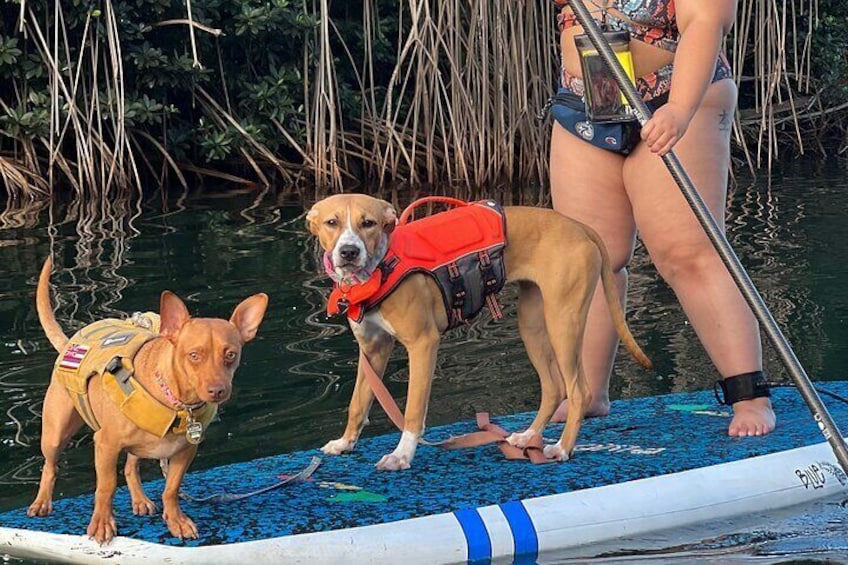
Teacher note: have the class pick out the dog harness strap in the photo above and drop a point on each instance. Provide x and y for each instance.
(145, 410)
(457, 294)
(491, 285)
(135, 402)
(489, 432)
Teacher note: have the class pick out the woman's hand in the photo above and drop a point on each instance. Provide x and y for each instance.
(666, 127)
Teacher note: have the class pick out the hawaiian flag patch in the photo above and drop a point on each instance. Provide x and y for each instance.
(73, 356)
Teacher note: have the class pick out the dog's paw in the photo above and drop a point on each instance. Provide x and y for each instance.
(40, 508)
(144, 507)
(522, 439)
(338, 446)
(102, 527)
(180, 525)
(555, 452)
(393, 462)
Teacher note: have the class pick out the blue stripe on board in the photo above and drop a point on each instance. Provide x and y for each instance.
(523, 532)
(476, 536)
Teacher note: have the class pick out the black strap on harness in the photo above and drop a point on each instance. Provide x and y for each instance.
(491, 284)
(387, 266)
(746, 386)
(458, 292)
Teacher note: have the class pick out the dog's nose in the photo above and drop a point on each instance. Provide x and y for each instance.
(349, 252)
(217, 392)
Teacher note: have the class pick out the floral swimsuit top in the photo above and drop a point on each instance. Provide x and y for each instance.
(650, 21)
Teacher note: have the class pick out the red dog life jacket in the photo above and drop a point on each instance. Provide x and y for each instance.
(462, 249)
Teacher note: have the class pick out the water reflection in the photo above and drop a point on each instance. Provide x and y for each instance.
(295, 380)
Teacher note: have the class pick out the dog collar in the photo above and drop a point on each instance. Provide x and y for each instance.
(172, 398)
(350, 291)
(348, 299)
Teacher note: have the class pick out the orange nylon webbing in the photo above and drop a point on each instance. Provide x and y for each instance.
(489, 432)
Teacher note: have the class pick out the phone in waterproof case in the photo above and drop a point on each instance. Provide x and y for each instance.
(605, 102)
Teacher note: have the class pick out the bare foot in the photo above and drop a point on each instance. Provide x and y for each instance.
(753, 417)
(597, 408)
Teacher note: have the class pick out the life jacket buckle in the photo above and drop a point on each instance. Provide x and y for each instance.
(344, 304)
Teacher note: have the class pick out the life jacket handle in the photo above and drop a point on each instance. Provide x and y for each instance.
(407, 213)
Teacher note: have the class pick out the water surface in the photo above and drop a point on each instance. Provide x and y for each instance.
(214, 248)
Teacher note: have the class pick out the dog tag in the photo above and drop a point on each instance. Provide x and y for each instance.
(194, 432)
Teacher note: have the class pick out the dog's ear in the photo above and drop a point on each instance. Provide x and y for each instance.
(312, 220)
(389, 218)
(248, 315)
(173, 314)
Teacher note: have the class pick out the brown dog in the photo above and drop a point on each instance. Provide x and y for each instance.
(180, 377)
(557, 262)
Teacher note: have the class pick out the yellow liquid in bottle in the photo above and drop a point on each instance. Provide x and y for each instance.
(626, 60)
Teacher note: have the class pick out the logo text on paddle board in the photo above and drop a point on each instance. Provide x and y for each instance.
(619, 448)
(834, 470)
(820, 422)
(812, 477)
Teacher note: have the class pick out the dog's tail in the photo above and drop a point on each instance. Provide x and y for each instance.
(617, 313)
(45, 310)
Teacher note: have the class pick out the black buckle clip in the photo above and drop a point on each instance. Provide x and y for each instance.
(487, 273)
(344, 304)
(457, 286)
(388, 265)
(116, 368)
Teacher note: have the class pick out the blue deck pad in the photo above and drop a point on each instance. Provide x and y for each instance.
(641, 438)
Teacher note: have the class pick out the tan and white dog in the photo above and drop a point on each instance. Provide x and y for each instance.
(557, 263)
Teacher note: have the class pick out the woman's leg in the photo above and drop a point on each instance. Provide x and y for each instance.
(684, 255)
(587, 185)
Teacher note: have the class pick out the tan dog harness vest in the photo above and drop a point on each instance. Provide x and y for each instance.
(107, 348)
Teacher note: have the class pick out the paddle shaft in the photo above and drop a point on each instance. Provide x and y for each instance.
(731, 261)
